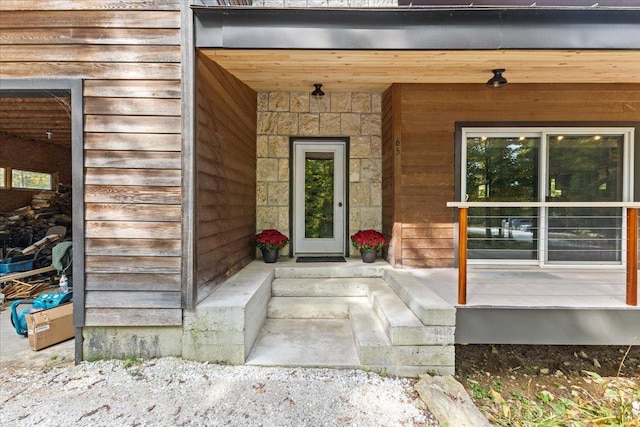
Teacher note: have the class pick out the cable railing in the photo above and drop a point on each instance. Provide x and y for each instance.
(556, 232)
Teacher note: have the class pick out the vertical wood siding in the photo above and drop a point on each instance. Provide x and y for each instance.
(128, 54)
(226, 125)
(428, 114)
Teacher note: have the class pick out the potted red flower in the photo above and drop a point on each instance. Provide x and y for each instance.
(270, 241)
(368, 242)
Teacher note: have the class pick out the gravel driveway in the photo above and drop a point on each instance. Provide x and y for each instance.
(175, 392)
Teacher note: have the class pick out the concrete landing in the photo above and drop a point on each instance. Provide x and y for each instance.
(305, 343)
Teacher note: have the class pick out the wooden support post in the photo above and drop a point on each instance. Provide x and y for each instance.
(462, 255)
(632, 256)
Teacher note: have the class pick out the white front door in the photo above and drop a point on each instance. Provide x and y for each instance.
(318, 196)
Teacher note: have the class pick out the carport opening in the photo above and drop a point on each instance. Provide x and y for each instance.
(36, 197)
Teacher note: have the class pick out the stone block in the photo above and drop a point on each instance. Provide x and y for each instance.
(360, 102)
(350, 124)
(376, 194)
(261, 194)
(354, 170)
(360, 147)
(329, 124)
(283, 170)
(360, 194)
(278, 101)
(370, 170)
(278, 146)
(267, 123)
(287, 123)
(309, 124)
(266, 169)
(278, 194)
(340, 102)
(262, 146)
(299, 102)
(371, 217)
(263, 101)
(371, 124)
(376, 103)
(376, 147)
(266, 217)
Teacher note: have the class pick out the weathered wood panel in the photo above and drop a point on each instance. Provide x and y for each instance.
(128, 53)
(127, 265)
(132, 282)
(132, 159)
(428, 115)
(134, 247)
(132, 194)
(69, 5)
(89, 19)
(129, 299)
(84, 53)
(132, 141)
(162, 177)
(90, 70)
(132, 229)
(93, 36)
(131, 89)
(135, 124)
(126, 106)
(226, 177)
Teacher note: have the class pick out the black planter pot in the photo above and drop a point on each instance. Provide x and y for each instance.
(368, 255)
(270, 255)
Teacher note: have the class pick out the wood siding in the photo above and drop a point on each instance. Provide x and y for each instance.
(226, 125)
(128, 54)
(428, 114)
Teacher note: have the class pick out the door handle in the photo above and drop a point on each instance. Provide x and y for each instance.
(339, 204)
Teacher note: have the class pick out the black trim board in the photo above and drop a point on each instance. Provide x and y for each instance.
(405, 28)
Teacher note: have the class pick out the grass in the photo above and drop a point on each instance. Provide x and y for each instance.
(618, 405)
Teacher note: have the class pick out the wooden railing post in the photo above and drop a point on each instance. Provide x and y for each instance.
(462, 256)
(632, 256)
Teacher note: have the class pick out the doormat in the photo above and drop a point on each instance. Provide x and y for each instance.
(321, 259)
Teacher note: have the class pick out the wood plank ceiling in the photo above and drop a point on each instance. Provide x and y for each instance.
(33, 117)
(374, 71)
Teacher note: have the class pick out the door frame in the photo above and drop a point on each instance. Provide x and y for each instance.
(344, 141)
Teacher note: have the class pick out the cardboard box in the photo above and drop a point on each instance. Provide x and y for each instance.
(49, 327)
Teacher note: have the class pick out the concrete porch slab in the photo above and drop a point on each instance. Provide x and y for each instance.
(326, 343)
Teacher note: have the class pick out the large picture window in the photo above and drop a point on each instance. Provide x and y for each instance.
(522, 165)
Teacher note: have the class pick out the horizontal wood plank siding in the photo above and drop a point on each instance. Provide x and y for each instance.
(428, 116)
(128, 53)
(226, 173)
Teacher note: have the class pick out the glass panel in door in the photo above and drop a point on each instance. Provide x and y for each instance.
(502, 169)
(584, 168)
(318, 195)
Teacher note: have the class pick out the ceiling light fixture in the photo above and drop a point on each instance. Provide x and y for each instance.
(317, 92)
(497, 80)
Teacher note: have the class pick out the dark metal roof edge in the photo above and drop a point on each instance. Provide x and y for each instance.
(404, 28)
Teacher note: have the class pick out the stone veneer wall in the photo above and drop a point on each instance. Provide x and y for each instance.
(282, 115)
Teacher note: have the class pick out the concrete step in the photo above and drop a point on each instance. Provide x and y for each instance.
(320, 287)
(310, 307)
(376, 351)
(400, 323)
(326, 343)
